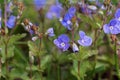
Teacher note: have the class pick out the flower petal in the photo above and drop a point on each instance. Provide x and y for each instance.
(106, 29)
(64, 38)
(81, 34)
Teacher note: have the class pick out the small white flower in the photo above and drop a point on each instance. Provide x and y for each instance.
(75, 47)
(62, 44)
(68, 22)
(34, 38)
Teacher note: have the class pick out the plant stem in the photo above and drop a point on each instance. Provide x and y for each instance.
(116, 58)
(58, 71)
(39, 59)
(6, 61)
(30, 70)
(5, 13)
(79, 69)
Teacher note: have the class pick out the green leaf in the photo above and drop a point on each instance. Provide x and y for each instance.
(45, 61)
(16, 37)
(83, 54)
(33, 47)
(10, 52)
(84, 67)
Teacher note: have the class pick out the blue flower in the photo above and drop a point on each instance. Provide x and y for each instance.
(0, 18)
(50, 32)
(39, 4)
(9, 7)
(54, 11)
(117, 14)
(62, 42)
(84, 40)
(66, 21)
(113, 27)
(11, 21)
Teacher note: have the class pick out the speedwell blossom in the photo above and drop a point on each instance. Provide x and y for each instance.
(66, 21)
(62, 42)
(113, 27)
(50, 32)
(11, 21)
(84, 40)
(9, 7)
(117, 14)
(54, 11)
(39, 4)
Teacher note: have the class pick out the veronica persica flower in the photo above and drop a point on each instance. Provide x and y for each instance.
(113, 27)
(66, 21)
(62, 42)
(84, 40)
(50, 32)
(117, 14)
(54, 11)
(9, 7)
(11, 21)
(39, 4)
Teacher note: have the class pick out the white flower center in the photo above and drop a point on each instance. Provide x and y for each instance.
(83, 41)
(53, 14)
(119, 18)
(62, 44)
(111, 27)
(68, 22)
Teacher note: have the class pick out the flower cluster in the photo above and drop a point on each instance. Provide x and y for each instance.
(54, 11)
(113, 27)
(66, 21)
(33, 30)
(12, 19)
(63, 42)
(39, 4)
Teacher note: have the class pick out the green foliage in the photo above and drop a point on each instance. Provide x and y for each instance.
(24, 59)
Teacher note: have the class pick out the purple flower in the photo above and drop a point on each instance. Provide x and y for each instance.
(84, 40)
(54, 11)
(62, 42)
(66, 21)
(11, 21)
(75, 47)
(39, 4)
(9, 7)
(117, 14)
(0, 18)
(50, 32)
(113, 27)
